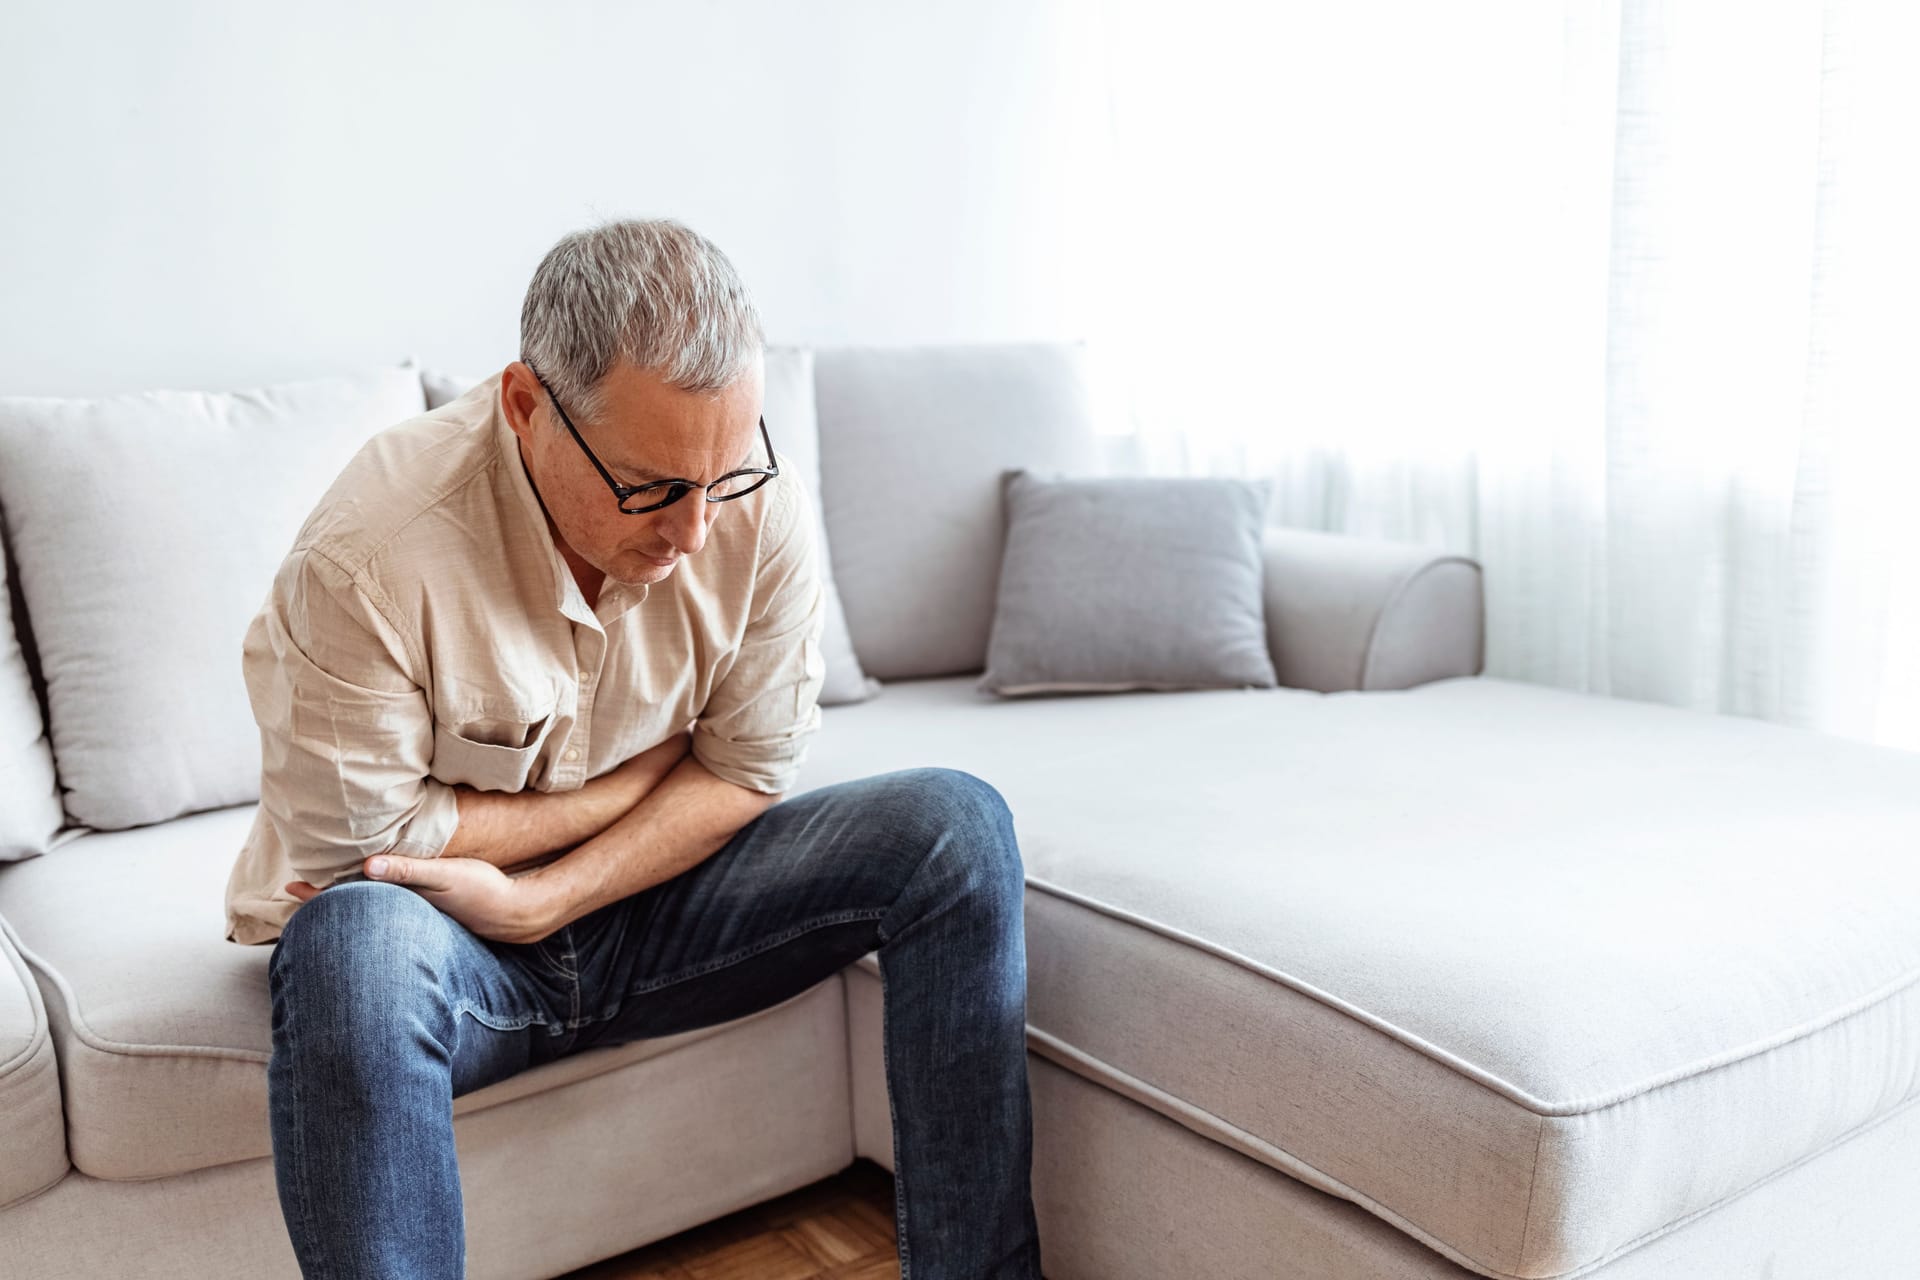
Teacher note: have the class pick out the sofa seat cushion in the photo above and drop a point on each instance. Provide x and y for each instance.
(1532, 975)
(33, 1132)
(163, 1027)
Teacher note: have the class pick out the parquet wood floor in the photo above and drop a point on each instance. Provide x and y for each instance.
(837, 1229)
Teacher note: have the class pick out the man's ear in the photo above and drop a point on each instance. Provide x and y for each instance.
(520, 396)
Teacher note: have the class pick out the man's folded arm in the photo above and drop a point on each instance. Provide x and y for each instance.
(346, 736)
(512, 829)
(347, 746)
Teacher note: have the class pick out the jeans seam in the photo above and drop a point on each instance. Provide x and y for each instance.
(764, 944)
(569, 961)
(566, 964)
(893, 1123)
(493, 1021)
(304, 1192)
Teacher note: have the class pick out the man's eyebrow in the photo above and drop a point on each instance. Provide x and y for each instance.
(643, 476)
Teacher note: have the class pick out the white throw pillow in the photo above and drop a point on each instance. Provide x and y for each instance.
(794, 428)
(29, 800)
(147, 529)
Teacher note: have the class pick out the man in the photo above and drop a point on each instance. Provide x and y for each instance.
(532, 685)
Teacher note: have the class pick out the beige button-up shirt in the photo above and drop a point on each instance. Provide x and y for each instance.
(424, 631)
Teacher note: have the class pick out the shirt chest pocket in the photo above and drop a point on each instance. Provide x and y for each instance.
(491, 754)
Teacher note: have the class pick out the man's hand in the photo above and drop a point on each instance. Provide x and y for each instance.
(478, 894)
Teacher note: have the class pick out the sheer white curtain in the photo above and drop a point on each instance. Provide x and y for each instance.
(1621, 298)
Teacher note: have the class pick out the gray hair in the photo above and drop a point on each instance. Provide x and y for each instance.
(653, 292)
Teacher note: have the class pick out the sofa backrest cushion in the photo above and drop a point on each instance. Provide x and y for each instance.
(913, 441)
(29, 798)
(147, 528)
(442, 387)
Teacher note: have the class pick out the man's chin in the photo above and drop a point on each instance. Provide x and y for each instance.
(637, 568)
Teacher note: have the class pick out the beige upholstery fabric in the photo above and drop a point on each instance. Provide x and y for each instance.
(1495, 961)
(556, 1170)
(912, 444)
(872, 1112)
(1111, 1174)
(33, 1135)
(165, 1035)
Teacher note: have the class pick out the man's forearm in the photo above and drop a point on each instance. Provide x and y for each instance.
(513, 829)
(682, 822)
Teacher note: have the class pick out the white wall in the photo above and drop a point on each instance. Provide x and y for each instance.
(224, 194)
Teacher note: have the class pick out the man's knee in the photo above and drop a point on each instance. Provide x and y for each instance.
(967, 815)
(355, 937)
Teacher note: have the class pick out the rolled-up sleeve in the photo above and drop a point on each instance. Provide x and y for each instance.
(764, 708)
(346, 735)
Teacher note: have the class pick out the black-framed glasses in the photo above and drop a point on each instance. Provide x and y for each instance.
(734, 484)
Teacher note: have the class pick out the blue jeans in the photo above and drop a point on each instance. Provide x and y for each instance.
(370, 983)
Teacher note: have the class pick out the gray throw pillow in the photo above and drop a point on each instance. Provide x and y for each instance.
(1130, 582)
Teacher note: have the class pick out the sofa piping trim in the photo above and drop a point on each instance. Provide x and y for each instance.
(1400, 590)
(1509, 1090)
(1209, 1126)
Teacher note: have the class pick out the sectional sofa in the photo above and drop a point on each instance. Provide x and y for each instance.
(1395, 971)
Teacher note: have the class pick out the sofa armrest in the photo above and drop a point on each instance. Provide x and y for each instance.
(1348, 613)
(34, 1133)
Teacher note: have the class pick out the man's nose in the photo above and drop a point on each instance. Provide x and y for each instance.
(687, 522)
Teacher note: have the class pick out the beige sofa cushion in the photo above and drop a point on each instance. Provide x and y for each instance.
(164, 1028)
(1517, 970)
(33, 1132)
(147, 528)
(913, 441)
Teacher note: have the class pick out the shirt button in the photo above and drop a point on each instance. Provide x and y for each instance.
(585, 676)
(572, 753)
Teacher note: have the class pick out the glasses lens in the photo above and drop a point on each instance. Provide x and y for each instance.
(652, 495)
(735, 486)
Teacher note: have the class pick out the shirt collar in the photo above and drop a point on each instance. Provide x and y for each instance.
(527, 524)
